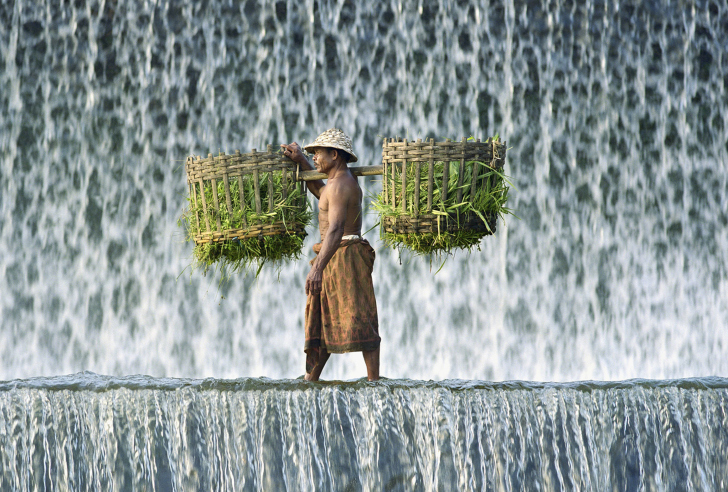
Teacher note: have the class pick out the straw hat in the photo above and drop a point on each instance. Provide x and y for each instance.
(335, 139)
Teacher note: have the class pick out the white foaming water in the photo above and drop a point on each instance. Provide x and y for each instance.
(616, 123)
(90, 432)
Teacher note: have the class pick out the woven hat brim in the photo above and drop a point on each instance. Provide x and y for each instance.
(329, 145)
(333, 138)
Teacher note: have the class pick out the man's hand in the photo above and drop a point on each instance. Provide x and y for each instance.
(294, 152)
(313, 281)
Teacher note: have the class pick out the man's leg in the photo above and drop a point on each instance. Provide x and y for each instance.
(371, 359)
(315, 361)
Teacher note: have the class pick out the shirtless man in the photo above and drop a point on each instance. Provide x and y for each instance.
(341, 311)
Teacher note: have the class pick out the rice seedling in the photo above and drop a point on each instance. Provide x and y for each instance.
(467, 198)
(247, 234)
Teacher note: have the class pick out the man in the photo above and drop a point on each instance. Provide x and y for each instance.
(341, 311)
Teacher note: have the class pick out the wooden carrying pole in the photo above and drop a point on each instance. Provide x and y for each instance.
(356, 171)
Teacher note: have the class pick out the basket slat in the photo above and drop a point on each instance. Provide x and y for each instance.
(431, 175)
(270, 184)
(404, 184)
(256, 184)
(385, 188)
(217, 204)
(274, 229)
(285, 183)
(193, 194)
(228, 199)
(461, 173)
(436, 224)
(204, 206)
(474, 180)
(394, 170)
(418, 170)
(242, 200)
(445, 181)
(270, 192)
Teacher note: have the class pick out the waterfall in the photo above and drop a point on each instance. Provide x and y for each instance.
(88, 432)
(615, 116)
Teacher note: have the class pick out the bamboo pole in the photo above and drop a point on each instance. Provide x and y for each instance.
(486, 177)
(431, 176)
(393, 172)
(216, 201)
(384, 172)
(193, 193)
(284, 178)
(356, 171)
(404, 180)
(461, 172)
(474, 178)
(204, 205)
(241, 192)
(228, 200)
(270, 192)
(217, 204)
(226, 184)
(304, 189)
(270, 183)
(242, 200)
(418, 170)
(445, 179)
(256, 184)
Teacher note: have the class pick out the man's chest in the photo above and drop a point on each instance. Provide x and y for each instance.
(323, 201)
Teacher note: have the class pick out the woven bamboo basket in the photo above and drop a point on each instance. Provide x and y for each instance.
(414, 163)
(261, 168)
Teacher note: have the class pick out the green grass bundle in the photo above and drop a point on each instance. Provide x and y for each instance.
(458, 217)
(239, 237)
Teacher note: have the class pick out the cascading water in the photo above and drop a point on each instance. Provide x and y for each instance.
(615, 115)
(97, 433)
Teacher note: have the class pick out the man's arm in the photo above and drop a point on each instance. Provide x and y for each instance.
(338, 198)
(294, 152)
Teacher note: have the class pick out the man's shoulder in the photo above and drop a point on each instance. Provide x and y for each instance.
(345, 183)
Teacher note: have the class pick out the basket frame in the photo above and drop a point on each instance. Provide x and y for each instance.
(238, 166)
(397, 155)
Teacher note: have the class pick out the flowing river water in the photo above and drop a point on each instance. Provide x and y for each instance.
(615, 115)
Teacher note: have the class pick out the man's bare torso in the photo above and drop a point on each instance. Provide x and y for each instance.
(351, 187)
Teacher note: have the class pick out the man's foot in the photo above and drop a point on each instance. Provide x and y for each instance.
(315, 361)
(371, 359)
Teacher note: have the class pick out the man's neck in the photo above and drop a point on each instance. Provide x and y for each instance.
(338, 170)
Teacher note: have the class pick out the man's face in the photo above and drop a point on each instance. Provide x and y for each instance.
(323, 159)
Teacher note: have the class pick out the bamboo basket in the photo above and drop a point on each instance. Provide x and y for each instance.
(259, 167)
(415, 214)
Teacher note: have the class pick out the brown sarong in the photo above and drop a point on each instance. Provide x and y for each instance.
(343, 317)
